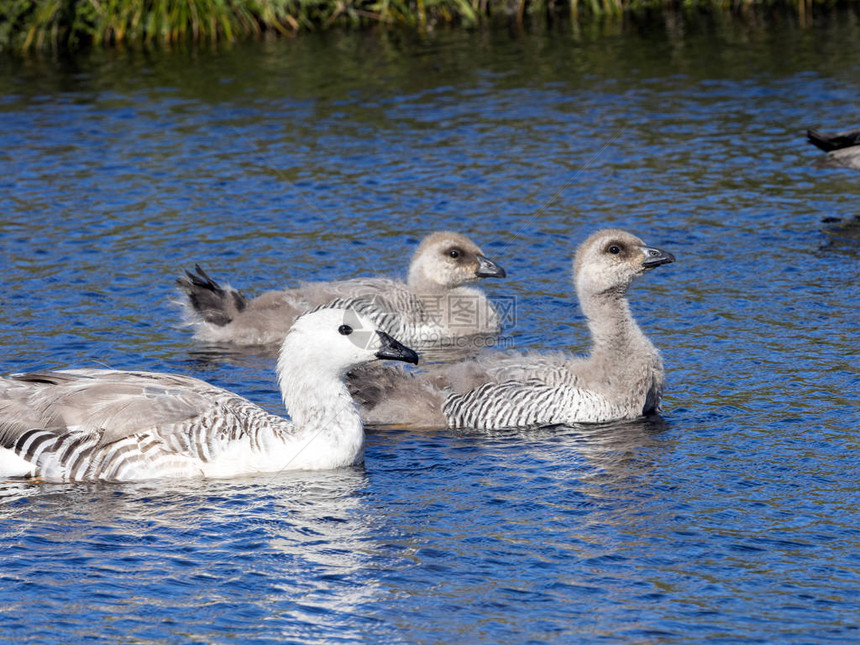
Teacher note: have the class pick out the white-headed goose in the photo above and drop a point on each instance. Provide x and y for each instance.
(91, 424)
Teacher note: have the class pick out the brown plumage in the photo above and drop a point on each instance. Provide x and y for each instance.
(421, 311)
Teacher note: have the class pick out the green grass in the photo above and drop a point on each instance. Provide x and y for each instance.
(69, 24)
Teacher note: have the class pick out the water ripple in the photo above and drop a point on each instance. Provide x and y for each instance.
(732, 517)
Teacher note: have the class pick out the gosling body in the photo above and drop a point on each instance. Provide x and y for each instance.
(425, 312)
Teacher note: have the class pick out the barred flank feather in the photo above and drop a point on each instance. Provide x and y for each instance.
(526, 405)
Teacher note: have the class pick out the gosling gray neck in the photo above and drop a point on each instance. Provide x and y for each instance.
(623, 363)
(613, 328)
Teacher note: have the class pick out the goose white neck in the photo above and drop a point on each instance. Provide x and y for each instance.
(318, 401)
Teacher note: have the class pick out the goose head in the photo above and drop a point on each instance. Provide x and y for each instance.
(446, 260)
(610, 259)
(333, 341)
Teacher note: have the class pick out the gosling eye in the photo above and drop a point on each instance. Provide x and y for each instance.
(454, 253)
(344, 330)
(614, 249)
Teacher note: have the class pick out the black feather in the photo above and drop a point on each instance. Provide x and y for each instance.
(830, 142)
(210, 299)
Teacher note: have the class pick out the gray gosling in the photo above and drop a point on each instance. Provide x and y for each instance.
(621, 378)
(422, 312)
(90, 424)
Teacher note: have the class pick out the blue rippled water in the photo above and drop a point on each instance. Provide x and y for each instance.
(732, 518)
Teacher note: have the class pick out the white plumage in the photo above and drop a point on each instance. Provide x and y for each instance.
(112, 425)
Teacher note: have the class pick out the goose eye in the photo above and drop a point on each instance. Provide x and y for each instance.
(344, 330)
(454, 253)
(614, 249)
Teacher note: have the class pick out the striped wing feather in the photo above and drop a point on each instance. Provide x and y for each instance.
(85, 423)
(114, 404)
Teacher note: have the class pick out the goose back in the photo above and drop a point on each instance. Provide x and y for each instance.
(104, 424)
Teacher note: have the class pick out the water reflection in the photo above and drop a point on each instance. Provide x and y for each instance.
(457, 514)
(841, 235)
(290, 537)
(610, 465)
(210, 355)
